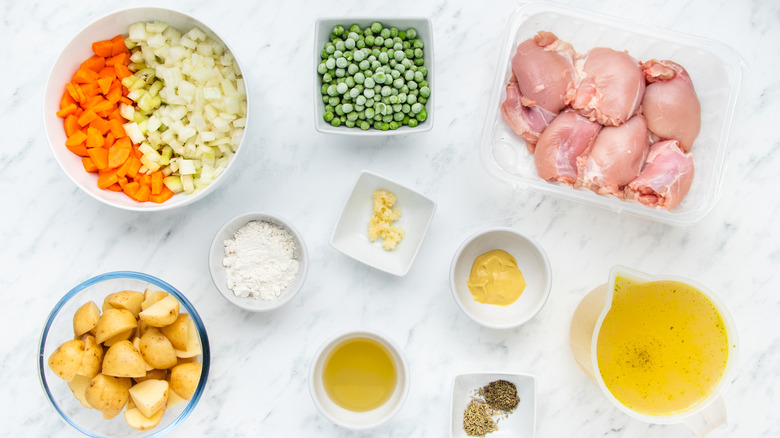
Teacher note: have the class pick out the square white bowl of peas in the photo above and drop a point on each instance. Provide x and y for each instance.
(373, 76)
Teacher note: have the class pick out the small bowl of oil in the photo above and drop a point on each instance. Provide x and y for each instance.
(359, 379)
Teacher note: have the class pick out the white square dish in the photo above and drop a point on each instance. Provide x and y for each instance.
(521, 423)
(351, 233)
(714, 67)
(322, 30)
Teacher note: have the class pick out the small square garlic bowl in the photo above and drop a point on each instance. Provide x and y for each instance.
(322, 30)
(219, 274)
(351, 233)
(521, 423)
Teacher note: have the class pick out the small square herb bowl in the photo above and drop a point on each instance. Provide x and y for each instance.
(322, 34)
(520, 423)
(351, 233)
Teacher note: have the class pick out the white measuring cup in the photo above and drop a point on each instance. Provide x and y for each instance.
(702, 417)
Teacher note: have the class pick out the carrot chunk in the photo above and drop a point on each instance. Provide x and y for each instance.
(100, 157)
(119, 152)
(103, 48)
(76, 139)
(68, 110)
(94, 63)
(71, 125)
(86, 117)
(106, 179)
(118, 45)
(94, 138)
(157, 182)
(163, 196)
(131, 188)
(88, 164)
(116, 128)
(84, 76)
(143, 193)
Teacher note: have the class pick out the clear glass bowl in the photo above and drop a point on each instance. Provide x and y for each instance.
(59, 328)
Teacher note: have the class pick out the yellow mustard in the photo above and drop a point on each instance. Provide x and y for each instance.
(496, 279)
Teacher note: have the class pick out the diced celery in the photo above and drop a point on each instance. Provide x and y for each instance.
(187, 183)
(134, 132)
(173, 183)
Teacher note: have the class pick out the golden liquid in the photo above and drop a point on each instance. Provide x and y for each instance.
(495, 279)
(662, 348)
(359, 375)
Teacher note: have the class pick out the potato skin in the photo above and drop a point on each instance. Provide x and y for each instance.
(108, 394)
(65, 361)
(185, 378)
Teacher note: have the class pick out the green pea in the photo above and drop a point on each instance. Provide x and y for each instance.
(333, 101)
(352, 69)
(370, 40)
(339, 110)
(340, 72)
(385, 126)
(328, 116)
(423, 70)
(341, 46)
(364, 65)
(398, 116)
(325, 98)
(409, 53)
(422, 100)
(422, 115)
(412, 123)
(385, 33)
(368, 32)
(411, 99)
(411, 33)
(349, 123)
(425, 92)
(369, 102)
(359, 78)
(418, 53)
(348, 108)
(338, 30)
(402, 34)
(419, 61)
(354, 93)
(376, 27)
(393, 125)
(370, 113)
(365, 125)
(360, 44)
(383, 58)
(417, 44)
(349, 43)
(406, 108)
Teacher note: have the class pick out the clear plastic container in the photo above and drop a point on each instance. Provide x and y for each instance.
(715, 68)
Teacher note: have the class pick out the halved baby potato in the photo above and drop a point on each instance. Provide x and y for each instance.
(114, 324)
(161, 313)
(108, 394)
(66, 360)
(86, 318)
(126, 299)
(123, 360)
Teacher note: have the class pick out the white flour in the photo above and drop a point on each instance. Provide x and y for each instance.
(260, 260)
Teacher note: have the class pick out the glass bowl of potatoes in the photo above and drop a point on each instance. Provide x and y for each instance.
(123, 354)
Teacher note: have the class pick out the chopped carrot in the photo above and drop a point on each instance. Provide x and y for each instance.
(118, 45)
(79, 150)
(107, 72)
(88, 164)
(123, 170)
(71, 125)
(84, 76)
(94, 138)
(131, 188)
(122, 71)
(157, 182)
(87, 117)
(116, 128)
(109, 140)
(76, 139)
(142, 195)
(102, 106)
(100, 157)
(103, 48)
(66, 100)
(134, 167)
(118, 59)
(68, 110)
(106, 178)
(119, 152)
(93, 124)
(94, 63)
(164, 195)
(105, 84)
(101, 125)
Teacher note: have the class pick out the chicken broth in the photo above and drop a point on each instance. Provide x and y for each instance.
(662, 348)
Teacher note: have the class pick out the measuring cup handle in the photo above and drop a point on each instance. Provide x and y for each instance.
(712, 417)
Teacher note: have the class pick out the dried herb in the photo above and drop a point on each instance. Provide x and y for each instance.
(500, 395)
(496, 399)
(477, 420)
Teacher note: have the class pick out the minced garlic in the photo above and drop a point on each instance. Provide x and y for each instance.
(384, 215)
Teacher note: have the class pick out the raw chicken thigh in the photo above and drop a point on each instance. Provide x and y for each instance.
(666, 178)
(527, 122)
(616, 158)
(611, 86)
(542, 84)
(670, 104)
(568, 137)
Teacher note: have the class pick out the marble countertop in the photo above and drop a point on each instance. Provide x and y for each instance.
(54, 236)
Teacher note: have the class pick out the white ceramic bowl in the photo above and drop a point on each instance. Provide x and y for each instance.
(351, 233)
(79, 49)
(59, 328)
(219, 274)
(358, 420)
(322, 32)
(520, 423)
(532, 262)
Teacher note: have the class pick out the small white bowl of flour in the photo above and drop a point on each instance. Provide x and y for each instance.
(258, 261)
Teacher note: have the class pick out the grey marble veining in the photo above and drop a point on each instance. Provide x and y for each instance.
(54, 236)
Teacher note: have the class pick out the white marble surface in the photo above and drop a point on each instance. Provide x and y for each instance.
(54, 236)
